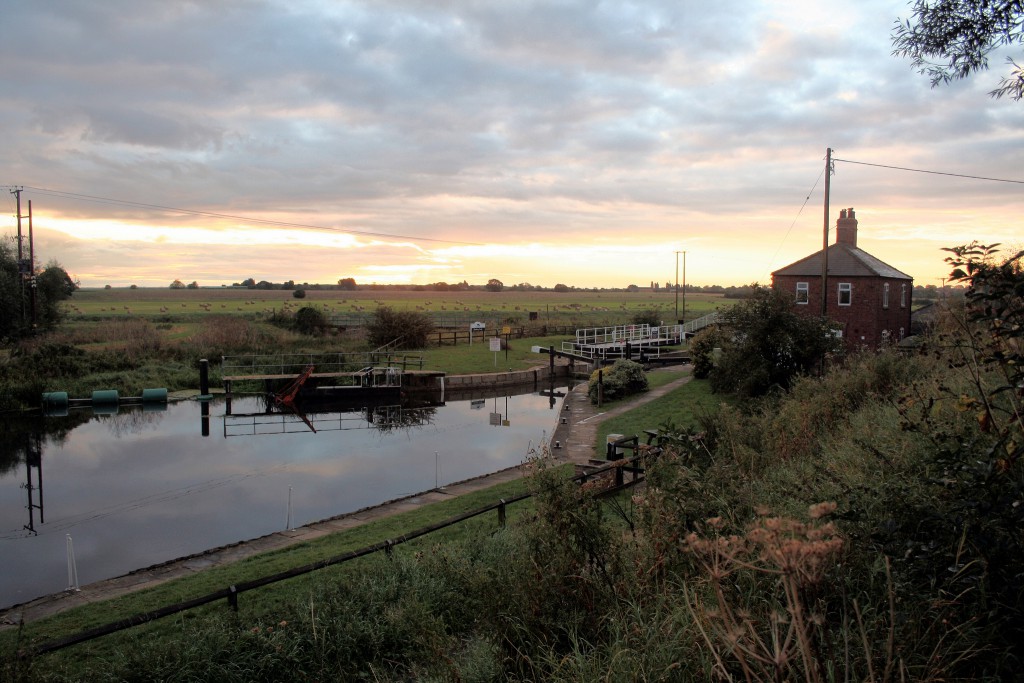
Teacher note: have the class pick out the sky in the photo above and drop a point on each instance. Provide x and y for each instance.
(418, 141)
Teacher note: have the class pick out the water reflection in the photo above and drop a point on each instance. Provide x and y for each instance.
(136, 488)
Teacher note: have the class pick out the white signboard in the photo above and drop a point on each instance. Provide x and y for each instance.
(495, 344)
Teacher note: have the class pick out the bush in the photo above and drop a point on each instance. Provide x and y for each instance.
(651, 316)
(702, 348)
(299, 294)
(770, 345)
(403, 329)
(310, 320)
(623, 378)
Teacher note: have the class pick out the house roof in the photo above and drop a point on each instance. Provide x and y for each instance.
(843, 261)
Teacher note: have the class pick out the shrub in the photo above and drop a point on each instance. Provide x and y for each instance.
(309, 319)
(702, 348)
(651, 316)
(623, 378)
(770, 345)
(404, 329)
(299, 294)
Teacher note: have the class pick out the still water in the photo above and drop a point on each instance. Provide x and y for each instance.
(137, 488)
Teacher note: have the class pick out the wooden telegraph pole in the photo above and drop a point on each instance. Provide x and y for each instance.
(824, 241)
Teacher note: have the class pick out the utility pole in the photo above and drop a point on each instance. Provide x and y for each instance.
(677, 288)
(824, 242)
(684, 286)
(32, 269)
(677, 285)
(22, 269)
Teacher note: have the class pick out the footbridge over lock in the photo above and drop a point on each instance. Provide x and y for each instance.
(646, 342)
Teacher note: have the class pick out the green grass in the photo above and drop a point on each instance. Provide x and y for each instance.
(464, 359)
(681, 406)
(264, 600)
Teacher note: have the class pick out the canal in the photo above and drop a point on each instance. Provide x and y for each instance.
(140, 487)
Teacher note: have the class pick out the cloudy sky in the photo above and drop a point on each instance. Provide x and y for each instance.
(418, 141)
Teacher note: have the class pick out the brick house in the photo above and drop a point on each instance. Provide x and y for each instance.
(868, 299)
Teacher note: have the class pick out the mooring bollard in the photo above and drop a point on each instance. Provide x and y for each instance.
(72, 566)
(204, 377)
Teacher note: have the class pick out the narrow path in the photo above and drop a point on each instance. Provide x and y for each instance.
(575, 433)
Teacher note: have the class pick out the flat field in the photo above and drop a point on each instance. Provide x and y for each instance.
(550, 307)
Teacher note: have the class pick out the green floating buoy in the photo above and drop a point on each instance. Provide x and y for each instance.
(105, 402)
(55, 403)
(154, 395)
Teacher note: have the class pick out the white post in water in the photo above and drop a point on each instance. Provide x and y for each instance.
(288, 519)
(72, 567)
(437, 468)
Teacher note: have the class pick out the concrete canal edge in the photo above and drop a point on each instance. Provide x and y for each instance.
(575, 431)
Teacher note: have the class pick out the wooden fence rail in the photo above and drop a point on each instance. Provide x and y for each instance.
(231, 593)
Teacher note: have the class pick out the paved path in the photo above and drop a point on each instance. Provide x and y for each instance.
(575, 433)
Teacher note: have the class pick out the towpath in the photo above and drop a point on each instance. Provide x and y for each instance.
(575, 433)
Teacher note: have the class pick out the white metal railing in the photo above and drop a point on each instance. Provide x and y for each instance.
(590, 352)
(700, 323)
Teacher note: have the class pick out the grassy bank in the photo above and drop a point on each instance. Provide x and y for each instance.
(266, 604)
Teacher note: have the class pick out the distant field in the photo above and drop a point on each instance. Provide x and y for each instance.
(549, 306)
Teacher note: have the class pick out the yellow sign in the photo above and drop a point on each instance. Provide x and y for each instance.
(506, 330)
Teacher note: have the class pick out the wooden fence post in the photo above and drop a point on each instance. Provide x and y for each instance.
(233, 597)
(501, 513)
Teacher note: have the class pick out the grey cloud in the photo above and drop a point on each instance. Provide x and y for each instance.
(347, 106)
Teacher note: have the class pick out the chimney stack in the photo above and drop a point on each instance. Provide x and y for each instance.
(846, 228)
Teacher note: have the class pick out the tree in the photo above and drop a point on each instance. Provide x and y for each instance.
(960, 34)
(347, 283)
(494, 285)
(770, 344)
(561, 288)
(52, 286)
(193, 285)
(177, 284)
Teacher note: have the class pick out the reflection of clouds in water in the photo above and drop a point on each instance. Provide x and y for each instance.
(154, 499)
(139, 488)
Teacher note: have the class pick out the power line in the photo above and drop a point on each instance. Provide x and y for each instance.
(919, 170)
(245, 219)
(797, 217)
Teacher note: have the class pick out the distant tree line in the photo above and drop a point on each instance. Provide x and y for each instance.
(492, 285)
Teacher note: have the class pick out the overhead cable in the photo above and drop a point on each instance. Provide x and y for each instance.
(919, 170)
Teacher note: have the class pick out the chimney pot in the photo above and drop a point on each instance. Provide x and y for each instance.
(846, 228)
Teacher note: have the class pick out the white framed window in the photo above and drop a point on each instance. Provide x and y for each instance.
(885, 295)
(803, 293)
(845, 293)
(903, 296)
